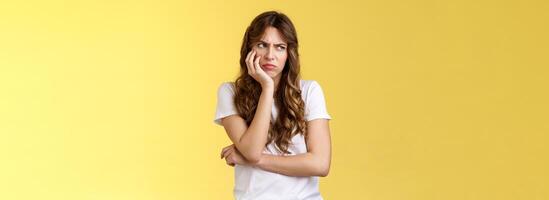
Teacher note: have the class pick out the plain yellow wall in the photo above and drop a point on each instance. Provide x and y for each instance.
(430, 99)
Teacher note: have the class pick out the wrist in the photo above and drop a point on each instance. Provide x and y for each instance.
(260, 162)
(269, 87)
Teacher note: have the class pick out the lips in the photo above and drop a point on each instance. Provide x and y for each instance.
(268, 66)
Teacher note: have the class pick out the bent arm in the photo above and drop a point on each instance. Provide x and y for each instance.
(316, 162)
(250, 141)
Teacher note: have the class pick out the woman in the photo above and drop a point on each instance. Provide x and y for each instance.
(278, 123)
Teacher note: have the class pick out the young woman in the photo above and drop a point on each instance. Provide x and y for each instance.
(278, 123)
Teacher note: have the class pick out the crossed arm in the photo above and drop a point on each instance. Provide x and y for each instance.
(315, 162)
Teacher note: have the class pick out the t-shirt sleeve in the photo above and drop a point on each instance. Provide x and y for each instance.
(225, 103)
(315, 107)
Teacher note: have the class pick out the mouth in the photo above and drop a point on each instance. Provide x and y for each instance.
(268, 66)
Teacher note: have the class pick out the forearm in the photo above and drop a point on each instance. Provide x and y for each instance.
(253, 140)
(306, 164)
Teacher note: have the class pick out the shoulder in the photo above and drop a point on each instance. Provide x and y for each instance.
(226, 90)
(309, 85)
(305, 84)
(226, 87)
(310, 91)
(315, 105)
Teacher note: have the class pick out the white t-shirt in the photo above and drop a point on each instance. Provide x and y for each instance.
(252, 183)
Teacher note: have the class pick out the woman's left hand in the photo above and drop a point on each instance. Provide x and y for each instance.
(233, 156)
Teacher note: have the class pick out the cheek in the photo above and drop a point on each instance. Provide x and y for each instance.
(282, 59)
(259, 52)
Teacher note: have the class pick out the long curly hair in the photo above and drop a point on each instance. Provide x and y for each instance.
(291, 108)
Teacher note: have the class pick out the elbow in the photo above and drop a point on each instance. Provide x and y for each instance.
(323, 170)
(320, 166)
(253, 158)
(249, 155)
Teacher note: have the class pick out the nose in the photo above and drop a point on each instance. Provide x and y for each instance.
(270, 54)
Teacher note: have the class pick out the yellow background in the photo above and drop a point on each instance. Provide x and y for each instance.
(430, 99)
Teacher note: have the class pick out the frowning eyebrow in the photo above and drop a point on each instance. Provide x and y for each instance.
(277, 44)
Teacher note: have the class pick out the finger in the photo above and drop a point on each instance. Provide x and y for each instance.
(252, 58)
(258, 68)
(251, 68)
(227, 153)
(229, 161)
(248, 56)
(224, 152)
(225, 149)
(256, 63)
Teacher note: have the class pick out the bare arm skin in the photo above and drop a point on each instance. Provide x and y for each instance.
(250, 141)
(316, 162)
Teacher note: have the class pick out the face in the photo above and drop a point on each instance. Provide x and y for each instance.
(273, 51)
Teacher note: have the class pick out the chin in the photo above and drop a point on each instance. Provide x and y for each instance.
(272, 74)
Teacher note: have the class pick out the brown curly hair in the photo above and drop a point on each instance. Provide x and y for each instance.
(287, 97)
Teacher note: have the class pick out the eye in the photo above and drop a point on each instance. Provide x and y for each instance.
(261, 45)
(281, 48)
